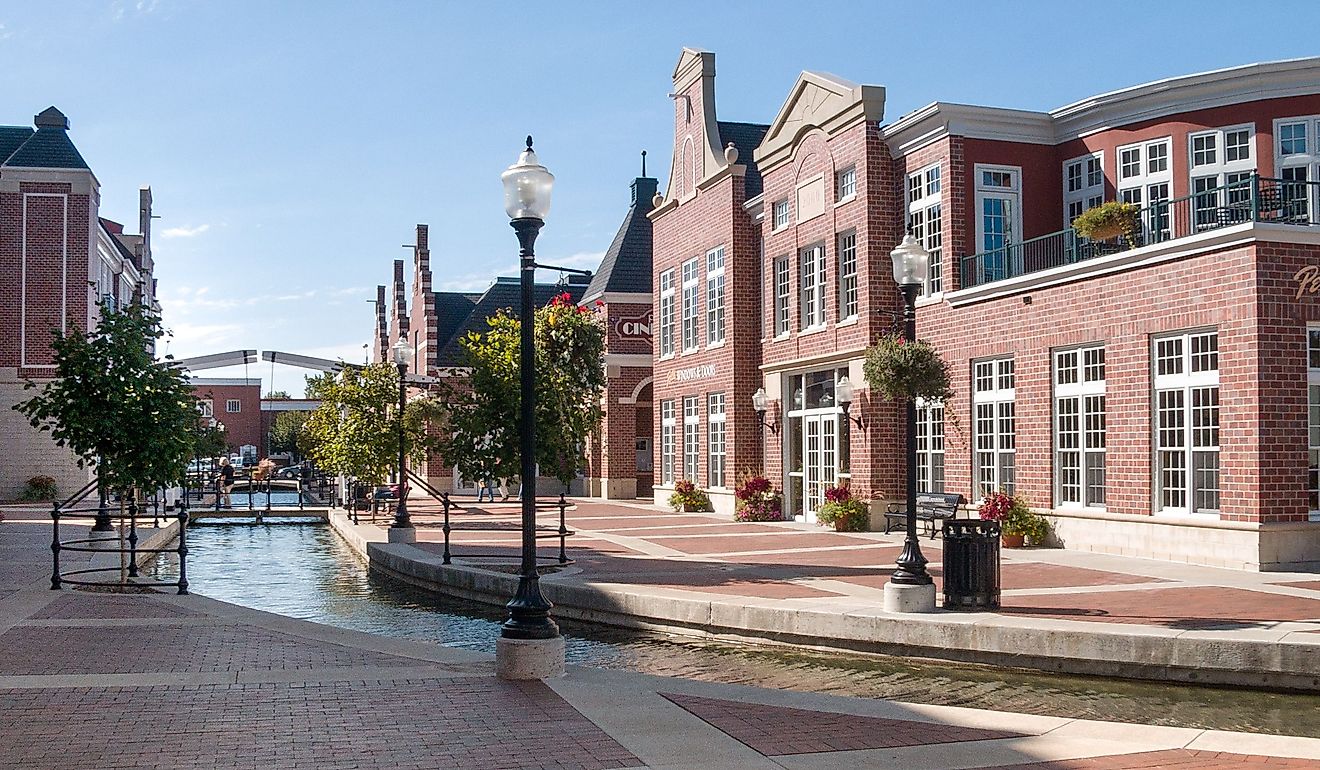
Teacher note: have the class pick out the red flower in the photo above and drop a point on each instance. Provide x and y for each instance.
(599, 303)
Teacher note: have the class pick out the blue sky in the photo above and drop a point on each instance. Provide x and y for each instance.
(292, 147)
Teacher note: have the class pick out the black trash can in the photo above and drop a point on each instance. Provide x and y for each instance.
(971, 564)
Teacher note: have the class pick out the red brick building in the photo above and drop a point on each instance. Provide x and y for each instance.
(1155, 396)
(59, 258)
(235, 403)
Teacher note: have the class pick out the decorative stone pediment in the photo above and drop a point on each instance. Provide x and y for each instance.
(818, 100)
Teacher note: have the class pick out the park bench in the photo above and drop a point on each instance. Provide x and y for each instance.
(931, 507)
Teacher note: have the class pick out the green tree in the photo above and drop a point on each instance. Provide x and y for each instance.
(131, 417)
(481, 433)
(355, 431)
(284, 430)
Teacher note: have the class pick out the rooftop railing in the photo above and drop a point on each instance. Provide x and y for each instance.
(1256, 199)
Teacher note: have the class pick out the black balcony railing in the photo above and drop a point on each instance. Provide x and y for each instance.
(1256, 199)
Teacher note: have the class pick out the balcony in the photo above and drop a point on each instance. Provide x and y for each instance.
(1256, 199)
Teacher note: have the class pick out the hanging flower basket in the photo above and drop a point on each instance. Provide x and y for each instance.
(1109, 220)
(900, 370)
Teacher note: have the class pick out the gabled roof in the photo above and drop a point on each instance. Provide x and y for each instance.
(626, 266)
(504, 293)
(48, 146)
(746, 137)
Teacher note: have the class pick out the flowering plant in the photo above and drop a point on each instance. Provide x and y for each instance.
(1014, 516)
(845, 512)
(898, 369)
(757, 500)
(687, 497)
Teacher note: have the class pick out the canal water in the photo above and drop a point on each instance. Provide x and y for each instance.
(308, 572)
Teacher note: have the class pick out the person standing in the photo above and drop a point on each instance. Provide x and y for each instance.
(225, 479)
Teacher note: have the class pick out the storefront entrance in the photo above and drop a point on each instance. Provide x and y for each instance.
(816, 442)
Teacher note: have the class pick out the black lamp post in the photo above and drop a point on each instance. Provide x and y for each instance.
(911, 263)
(527, 187)
(402, 530)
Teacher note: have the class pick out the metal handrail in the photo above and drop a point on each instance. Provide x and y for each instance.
(562, 533)
(1256, 199)
(101, 512)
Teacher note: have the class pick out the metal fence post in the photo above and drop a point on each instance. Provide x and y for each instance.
(444, 498)
(563, 530)
(183, 550)
(132, 533)
(55, 546)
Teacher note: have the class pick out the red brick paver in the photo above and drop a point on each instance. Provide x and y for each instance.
(1191, 607)
(1183, 759)
(779, 731)
(418, 724)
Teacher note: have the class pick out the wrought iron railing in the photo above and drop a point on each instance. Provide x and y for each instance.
(104, 513)
(1256, 199)
(542, 533)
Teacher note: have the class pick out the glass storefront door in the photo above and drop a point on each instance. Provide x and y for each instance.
(815, 442)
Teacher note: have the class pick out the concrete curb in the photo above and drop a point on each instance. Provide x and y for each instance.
(1075, 647)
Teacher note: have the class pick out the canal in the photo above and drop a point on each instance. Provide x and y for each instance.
(308, 572)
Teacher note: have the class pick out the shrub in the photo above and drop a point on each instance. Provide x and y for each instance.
(846, 512)
(686, 495)
(40, 488)
(757, 500)
(1015, 516)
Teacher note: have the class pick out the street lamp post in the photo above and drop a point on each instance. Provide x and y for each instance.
(910, 587)
(402, 530)
(530, 646)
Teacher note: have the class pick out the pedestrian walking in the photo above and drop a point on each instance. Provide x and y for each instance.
(225, 480)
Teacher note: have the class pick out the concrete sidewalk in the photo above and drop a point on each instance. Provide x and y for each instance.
(1062, 610)
(91, 680)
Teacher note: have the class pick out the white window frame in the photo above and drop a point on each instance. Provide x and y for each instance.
(1192, 386)
(1150, 186)
(667, 428)
(812, 277)
(845, 185)
(1307, 161)
(667, 313)
(849, 291)
(996, 402)
(691, 300)
(715, 296)
(691, 438)
(205, 407)
(233, 406)
(1079, 407)
(716, 446)
(783, 277)
(1012, 193)
(925, 221)
(782, 215)
(1221, 172)
(930, 446)
(1090, 191)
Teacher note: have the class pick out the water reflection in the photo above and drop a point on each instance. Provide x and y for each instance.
(308, 572)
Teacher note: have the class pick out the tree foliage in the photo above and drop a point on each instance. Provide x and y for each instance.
(131, 417)
(355, 431)
(481, 435)
(284, 430)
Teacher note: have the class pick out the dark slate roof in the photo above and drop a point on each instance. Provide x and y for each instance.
(120, 246)
(452, 310)
(504, 293)
(11, 138)
(48, 146)
(626, 266)
(746, 137)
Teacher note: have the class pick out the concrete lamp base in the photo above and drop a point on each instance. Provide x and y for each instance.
(905, 598)
(519, 659)
(402, 534)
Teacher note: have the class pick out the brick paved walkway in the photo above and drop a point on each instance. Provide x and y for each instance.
(157, 681)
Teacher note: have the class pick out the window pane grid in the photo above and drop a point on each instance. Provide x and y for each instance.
(715, 446)
(715, 296)
(691, 437)
(691, 287)
(1187, 422)
(848, 275)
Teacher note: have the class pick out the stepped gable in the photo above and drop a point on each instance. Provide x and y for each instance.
(47, 147)
(626, 266)
(746, 137)
(504, 293)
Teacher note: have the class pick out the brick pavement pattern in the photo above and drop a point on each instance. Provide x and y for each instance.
(75, 605)
(95, 649)
(408, 724)
(1182, 759)
(776, 731)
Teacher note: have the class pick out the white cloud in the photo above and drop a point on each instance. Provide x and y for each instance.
(183, 232)
(584, 260)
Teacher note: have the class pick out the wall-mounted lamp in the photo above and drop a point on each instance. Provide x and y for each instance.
(760, 402)
(843, 393)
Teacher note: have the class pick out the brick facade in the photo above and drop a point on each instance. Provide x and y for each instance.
(244, 425)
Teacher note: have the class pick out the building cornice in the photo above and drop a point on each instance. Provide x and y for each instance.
(817, 100)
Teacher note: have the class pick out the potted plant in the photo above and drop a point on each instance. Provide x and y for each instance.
(899, 370)
(845, 512)
(757, 500)
(688, 498)
(1109, 220)
(1017, 522)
